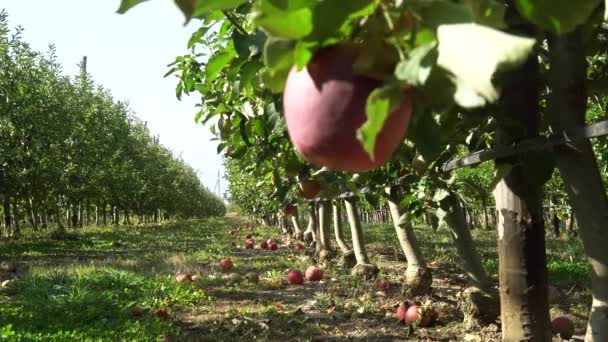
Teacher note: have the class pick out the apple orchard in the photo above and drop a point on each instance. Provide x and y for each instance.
(325, 105)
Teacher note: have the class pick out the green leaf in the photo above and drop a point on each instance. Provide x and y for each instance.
(220, 147)
(417, 69)
(473, 54)
(198, 116)
(331, 18)
(197, 35)
(248, 72)
(442, 12)
(216, 63)
(488, 12)
(440, 194)
(126, 5)
(247, 110)
(380, 103)
(202, 7)
(278, 53)
(425, 131)
(302, 54)
(258, 127)
(248, 45)
(278, 58)
(285, 18)
(559, 16)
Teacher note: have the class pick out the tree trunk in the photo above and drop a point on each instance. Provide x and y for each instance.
(32, 213)
(104, 211)
(337, 218)
(88, 212)
(16, 218)
(480, 302)
(522, 267)
(116, 216)
(297, 231)
(324, 234)
(309, 234)
(485, 212)
(57, 216)
(74, 215)
(363, 267)
(553, 215)
(418, 277)
(97, 214)
(127, 217)
(348, 259)
(578, 167)
(80, 214)
(570, 224)
(6, 210)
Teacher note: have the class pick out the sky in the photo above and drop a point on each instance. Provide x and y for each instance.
(128, 54)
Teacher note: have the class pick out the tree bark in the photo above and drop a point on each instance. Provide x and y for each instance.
(480, 303)
(6, 210)
(553, 215)
(570, 224)
(418, 277)
(104, 211)
(116, 216)
(363, 267)
(309, 234)
(88, 212)
(97, 215)
(522, 267)
(577, 165)
(337, 218)
(297, 231)
(471, 260)
(16, 218)
(323, 237)
(485, 212)
(32, 214)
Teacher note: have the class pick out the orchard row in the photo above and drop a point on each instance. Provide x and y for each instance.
(70, 154)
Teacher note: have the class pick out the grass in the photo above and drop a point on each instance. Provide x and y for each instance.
(566, 263)
(109, 283)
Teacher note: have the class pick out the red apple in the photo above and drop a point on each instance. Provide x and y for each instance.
(249, 244)
(563, 326)
(412, 314)
(401, 313)
(226, 264)
(313, 273)
(298, 247)
(289, 209)
(384, 284)
(295, 277)
(263, 244)
(419, 315)
(309, 188)
(325, 105)
(273, 246)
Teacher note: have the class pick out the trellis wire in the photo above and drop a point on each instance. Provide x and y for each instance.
(595, 130)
